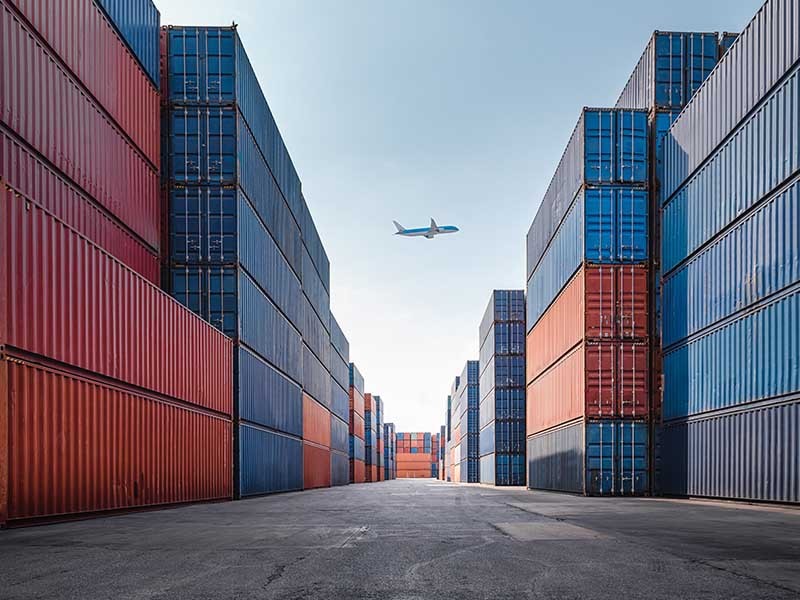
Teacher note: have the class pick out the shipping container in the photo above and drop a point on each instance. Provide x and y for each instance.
(137, 22)
(267, 397)
(604, 225)
(608, 146)
(357, 469)
(38, 95)
(596, 379)
(316, 423)
(339, 371)
(671, 69)
(340, 468)
(316, 466)
(601, 302)
(316, 378)
(339, 435)
(268, 461)
(356, 448)
(745, 453)
(340, 401)
(66, 299)
(31, 176)
(85, 40)
(357, 425)
(119, 447)
(594, 458)
(314, 247)
(357, 382)
(765, 51)
(340, 343)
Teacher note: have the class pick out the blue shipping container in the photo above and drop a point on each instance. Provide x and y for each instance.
(340, 469)
(268, 462)
(356, 379)
(138, 23)
(339, 341)
(340, 370)
(340, 431)
(340, 401)
(266, 397)
(313, 244)
(357, 450)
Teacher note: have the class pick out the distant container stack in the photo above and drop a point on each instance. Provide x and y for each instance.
(442, 452)
(357, 427)
(389, 451)
(237, 255)
(502, 390)
(415, 455)
(672, 68)
(379, 438)
(465, 434)
(86, 372)
(371, 437)
(454, 418)
(340, 405)
(587, 359)
(730, 190)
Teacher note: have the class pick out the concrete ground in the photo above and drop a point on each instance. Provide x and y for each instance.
(414, 539)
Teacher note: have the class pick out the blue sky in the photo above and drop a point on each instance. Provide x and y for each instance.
(456, 109)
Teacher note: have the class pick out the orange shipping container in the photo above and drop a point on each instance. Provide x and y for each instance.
(316, 423)
(356, 424)
(601, 302)
(316, 466)
(357, 471)
(356, 401)
(597, 380)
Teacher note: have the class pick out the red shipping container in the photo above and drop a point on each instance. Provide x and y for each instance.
(367, 402)
(87, 43)
(373, 470)
(31, 177)
(356, 401)
(602, 302)
(357, 471)
(81, 445)
(316, 424)
(595, 380)
(44, 105)
(357, 425)
(316, 466)
(64, 298)
(413, 474)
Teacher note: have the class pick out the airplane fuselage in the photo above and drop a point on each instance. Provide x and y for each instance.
(428, 232)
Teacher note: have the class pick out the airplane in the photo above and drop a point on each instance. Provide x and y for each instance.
(427, 232)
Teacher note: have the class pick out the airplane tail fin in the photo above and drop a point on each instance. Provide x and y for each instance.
(433, 224)
(400, 228)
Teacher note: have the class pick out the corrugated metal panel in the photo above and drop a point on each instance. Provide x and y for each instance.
(340, 469)
(203, 144)
(356, 449)
(616, 225)
(747, 454)
(672, 68)
(137, 21)
(340, 343)
(313, 244)
(315, 291)
(268, 462)
(504, 305)
(339, 433)
(314, 334)
(357, 471)
(753, 260)
(316, 380)
(87, 43)
(607, 146)
(742, 360)
(486, 411)
(316, 422)
(96, 156)
(32, 177)
(339, 370)
(726, 41)
(266, 397)
(264, 329)
(356, 379)
(760, 155)
(486, 440)
(340, 401)
(316, 466)
(80, 445)
(69, 301)
(767, 48)
(356, 402)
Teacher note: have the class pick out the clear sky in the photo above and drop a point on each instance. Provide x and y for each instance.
(456, 109)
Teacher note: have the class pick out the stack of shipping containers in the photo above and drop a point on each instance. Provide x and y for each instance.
(466, 396)
(442, 451)
(671, 69)
(587, 303)
(434, 453)
(731, 272)
(88, 344)
(340, 406)
(370, 438)
(415, 457)
(357, 429)
(502, 389)
(454, 458)
(379, 438)
(236, 254)
(448, 444)
(389, 449)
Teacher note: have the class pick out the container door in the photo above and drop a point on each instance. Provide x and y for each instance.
(599, 146)
(600, 463)
(631, 213)
(632, 147)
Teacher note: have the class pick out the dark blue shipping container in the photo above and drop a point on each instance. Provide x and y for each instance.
(208, 65)
(594, 458)
(316, 379)
(339, 341)
(356, 379)
(268, 462)
(314, 334)
(315, 291)
(266, 397)
(357, 450)
(672, 68)
(340, 401)
(749, 453)
(340, 370)
(138, 23)
(605, 225)
(608, 146)
(339, 435)
(313, 244)
(340, 469)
